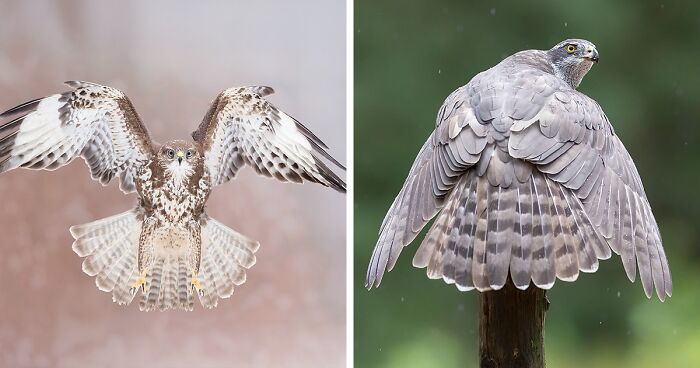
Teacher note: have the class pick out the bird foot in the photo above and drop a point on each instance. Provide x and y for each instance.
(140, 283)
(197, 285)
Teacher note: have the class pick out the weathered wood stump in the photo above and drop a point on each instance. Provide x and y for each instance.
(511, 327)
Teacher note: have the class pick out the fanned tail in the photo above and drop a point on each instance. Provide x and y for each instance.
(110, 248)
(225, 257)
(536, 229)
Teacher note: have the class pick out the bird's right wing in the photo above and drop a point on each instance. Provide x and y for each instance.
(454, 146)
(93, 121)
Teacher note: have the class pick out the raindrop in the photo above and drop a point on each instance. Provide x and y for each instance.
(493, 11)
(402, 299)
(618, 294)
(439, 71)
(566, 24)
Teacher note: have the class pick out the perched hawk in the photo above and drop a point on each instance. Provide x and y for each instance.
(166, 247)
(528, 179)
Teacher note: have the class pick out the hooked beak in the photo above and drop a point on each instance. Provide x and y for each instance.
(592, 54)
(180, 155)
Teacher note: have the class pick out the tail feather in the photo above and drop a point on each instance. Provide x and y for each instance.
(95, 235)
(542, 270)
(566, 256)
(110, 248)
(224, 286)
(184, 296)
(239, 247)
(521, 251)
(500, 232)
(209, 297)
(154, 277)
(121, 293)
(169, 289)
(479, 277)
(534, 230)
(98, 261)
(107, 279)
(580, 233)
(440, 235)
(226, 255)
(227, 267)
(162, 303)
(104, 242)
(168, 284)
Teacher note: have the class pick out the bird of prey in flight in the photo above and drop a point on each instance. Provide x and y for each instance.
(167, 247)
(528, 181)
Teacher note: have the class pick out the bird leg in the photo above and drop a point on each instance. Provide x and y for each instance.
(196, 255)
(144, 257)
(196, 284)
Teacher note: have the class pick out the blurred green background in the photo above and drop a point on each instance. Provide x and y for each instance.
(409, 57)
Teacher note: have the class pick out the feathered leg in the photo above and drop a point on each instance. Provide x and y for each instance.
(195, 231)
(144, 254)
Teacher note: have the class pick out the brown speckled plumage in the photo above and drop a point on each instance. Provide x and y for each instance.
(167, 248)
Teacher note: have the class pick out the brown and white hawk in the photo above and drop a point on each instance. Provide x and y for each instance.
(166, 247)
(529, 180)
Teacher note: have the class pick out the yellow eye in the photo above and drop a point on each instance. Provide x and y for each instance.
(570, 49)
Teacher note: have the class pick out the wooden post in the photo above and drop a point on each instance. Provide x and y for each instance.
(511, 327)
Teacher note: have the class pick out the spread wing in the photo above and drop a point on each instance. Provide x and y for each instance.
(572, 141)
(454, 147)
(95, 122)
(242, 127)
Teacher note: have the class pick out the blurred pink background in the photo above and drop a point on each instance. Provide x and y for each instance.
(171, 59)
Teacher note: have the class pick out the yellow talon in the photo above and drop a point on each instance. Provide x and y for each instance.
(196, 284)
(140, 283)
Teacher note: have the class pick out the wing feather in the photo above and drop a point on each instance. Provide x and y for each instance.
(573, 141)
(96, 122)
(455, 146)
(241, 127)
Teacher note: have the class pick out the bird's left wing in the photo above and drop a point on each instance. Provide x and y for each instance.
(93, 121)
(242, 127)
(571, 140)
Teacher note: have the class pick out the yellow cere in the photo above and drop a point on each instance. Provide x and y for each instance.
(180, 154)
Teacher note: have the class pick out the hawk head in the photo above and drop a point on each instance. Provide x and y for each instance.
(179, 159)
(572, 59)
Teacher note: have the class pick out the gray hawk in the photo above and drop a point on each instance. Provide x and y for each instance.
(529, 180)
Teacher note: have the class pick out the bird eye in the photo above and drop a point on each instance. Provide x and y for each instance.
(570, 49)
(188, 154)
(171, 153)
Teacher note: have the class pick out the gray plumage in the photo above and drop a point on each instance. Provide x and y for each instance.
(529, 180)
